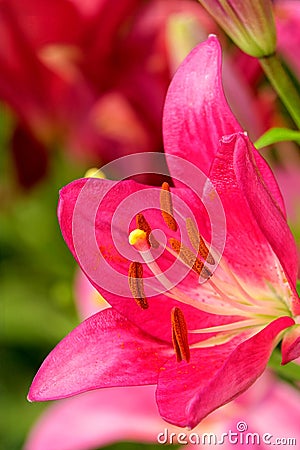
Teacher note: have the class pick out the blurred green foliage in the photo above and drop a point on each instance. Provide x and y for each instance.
(36, 277)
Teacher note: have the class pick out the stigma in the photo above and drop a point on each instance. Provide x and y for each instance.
(138, 238)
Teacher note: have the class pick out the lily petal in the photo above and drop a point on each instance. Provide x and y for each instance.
(187, 393)
(195, 103)
(251, 238)
(103, 351)
(265, 210)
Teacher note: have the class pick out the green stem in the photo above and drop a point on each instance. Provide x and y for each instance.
(283, 85)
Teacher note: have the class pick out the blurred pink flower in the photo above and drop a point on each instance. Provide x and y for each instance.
(64, 83)
(289, 182)
(287, 13)
(234, 319)
(56, 57)
(87, 298)
(67, 68)
(270, 406)
(99, 418)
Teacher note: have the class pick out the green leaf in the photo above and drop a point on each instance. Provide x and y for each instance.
(277, 135)
(289, 372)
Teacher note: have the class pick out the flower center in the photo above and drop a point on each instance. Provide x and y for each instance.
(221, 292)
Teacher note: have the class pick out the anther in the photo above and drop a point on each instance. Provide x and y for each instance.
(136, 284)
(143, 225)
(197, 241)
(180, 335)
(166, 206)
(188, 257)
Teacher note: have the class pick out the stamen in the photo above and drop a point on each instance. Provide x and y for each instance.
(197, 241)
(178, 295)
(166, 206)
(188, 257)
(179, 335)
(136, 284)
(237, 307)
(142, 224)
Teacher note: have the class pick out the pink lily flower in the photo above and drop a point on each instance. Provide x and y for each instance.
(203, 344)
